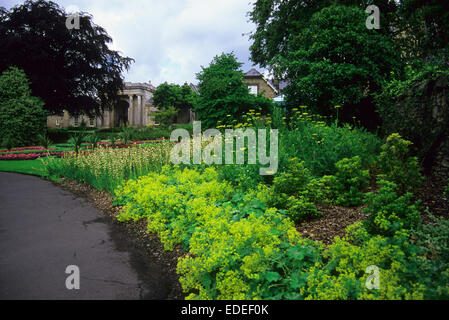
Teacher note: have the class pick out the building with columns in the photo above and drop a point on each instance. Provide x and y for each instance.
(134, 109)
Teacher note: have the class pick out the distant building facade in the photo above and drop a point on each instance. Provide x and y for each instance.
(257, 83)
(134, 109)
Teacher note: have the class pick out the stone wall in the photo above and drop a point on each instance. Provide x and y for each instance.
(422, 116)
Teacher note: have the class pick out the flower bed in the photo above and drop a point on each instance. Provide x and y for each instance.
(29, 156)
(24, 149)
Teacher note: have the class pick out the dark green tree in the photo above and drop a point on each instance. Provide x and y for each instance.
(179, 97)
(336, 60)
(22, 117)
(279, 22)
(69, 69)
(223, 96)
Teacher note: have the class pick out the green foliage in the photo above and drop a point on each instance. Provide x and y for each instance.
(93, 139)
(44, 141)
(246, 260)
(173, 95)
(223, 95)
(351, 180)
(336, 60)
(294, 190)
(77, 140)
(127, 134)
(320, 146)
(398, 166)
(433, 239)
(22, 118)
(174, 202)
(389, 211)
(278, 22)
(342, 275)
(166, 116)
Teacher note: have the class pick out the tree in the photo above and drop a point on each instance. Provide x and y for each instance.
(426, 26)
(70, 70)
(22, 117)
(278, 22)
(179, 97)
(223, 96)
(337, 61)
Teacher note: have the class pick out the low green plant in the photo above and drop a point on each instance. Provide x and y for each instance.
(127, 134)
(350, 182)
(342, 273)
(77, 140)
(93, 139)
(391, 212)
(398, 166)
(44, 141)
(166, 116)
(294, 191)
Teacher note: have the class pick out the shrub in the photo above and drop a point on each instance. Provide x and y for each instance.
(397, 166)
(389, 211)
(174, 202)
(166, 116)
(433, 262)
(294, 191)
(320, 146)
(351, 180)
(341, 275)
(246, 259)
(22, 117)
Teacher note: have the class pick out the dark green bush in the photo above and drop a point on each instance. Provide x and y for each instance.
(389, 211)
(398, 166)
(22, 117)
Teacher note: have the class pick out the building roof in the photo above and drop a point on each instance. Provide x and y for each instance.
(253, 73)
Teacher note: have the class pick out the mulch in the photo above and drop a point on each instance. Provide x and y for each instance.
(332, 223)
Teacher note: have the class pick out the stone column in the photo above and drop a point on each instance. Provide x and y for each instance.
(130, 111)
(139, 111)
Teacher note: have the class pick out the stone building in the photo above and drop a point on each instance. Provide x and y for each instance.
(134, 109)
(258, 84)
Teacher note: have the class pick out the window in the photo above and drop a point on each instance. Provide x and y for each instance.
(76, 121)
(253, 89)
(91, 121)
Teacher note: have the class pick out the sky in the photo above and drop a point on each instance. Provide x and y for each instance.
(170, 40)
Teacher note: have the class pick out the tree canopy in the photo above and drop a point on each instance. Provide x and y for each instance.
(70, 69)
(22, 117)
(173, 95)
(223, 96)
(336, 60)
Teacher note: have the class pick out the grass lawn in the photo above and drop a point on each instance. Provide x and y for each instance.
(31, 167)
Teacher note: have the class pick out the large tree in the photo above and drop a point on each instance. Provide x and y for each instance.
(336, 60)
(223, 96)
(70, 69)
(279, 22)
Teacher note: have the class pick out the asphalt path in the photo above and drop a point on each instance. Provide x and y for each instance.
(44, 229)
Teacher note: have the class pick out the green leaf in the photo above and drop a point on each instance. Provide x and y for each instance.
(272, 276)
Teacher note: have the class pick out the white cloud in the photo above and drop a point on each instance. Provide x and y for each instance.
(171, 39)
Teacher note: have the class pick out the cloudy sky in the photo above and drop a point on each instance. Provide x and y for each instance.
(170, 39)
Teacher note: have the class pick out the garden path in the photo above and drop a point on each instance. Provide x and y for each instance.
(44, 229)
